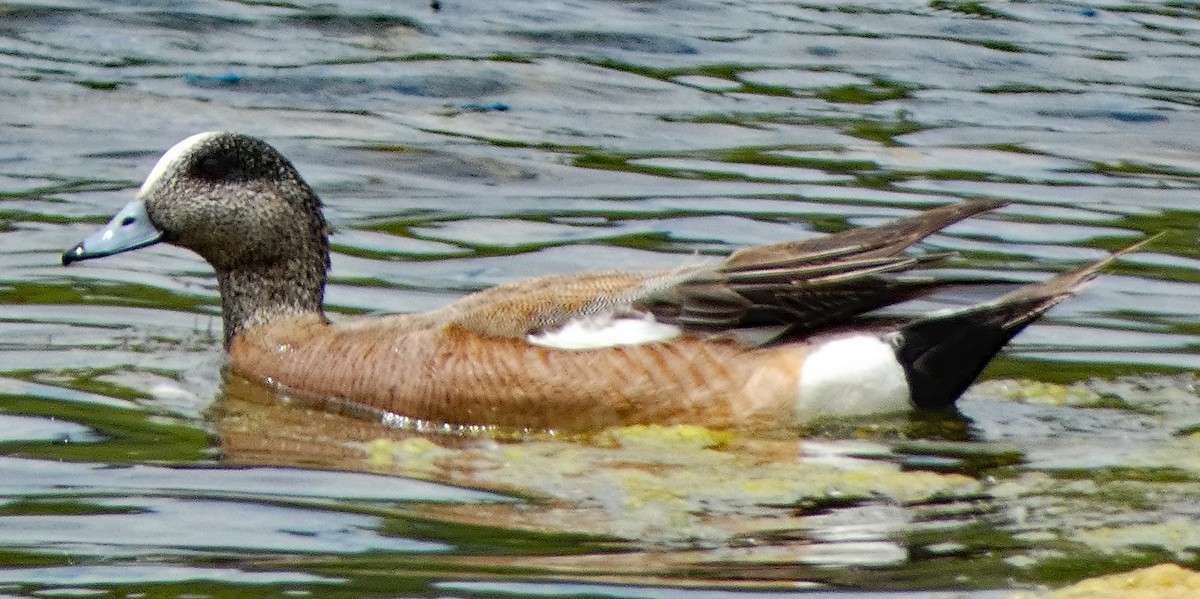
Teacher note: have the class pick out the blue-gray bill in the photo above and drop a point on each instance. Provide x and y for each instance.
(130, 229)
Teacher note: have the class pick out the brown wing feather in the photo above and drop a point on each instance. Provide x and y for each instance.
(806, 285)
(803, 285)
(542, 303)
(866, 242)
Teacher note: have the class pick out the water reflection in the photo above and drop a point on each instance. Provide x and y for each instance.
(808, 504)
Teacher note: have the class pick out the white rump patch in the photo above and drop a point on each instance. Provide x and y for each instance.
(851, 376)
(597, 332)
(172, 156)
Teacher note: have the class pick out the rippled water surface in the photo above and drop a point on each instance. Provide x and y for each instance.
(483, 142)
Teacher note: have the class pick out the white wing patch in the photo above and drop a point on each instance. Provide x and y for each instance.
(601, 331)
(172, 156)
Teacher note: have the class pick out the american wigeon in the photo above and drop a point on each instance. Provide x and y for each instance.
(769, 337)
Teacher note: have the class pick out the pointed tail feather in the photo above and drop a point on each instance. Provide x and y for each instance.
(942, 355)
(1055, 290)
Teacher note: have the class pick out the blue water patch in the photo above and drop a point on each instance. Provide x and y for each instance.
(211, 81)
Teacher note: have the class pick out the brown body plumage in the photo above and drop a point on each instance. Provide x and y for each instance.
(451, 374)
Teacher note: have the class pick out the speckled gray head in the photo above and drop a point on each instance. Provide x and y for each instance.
(229, 197)
(131, 228)
(239, 204)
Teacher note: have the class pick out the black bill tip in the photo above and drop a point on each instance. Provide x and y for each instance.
(74, 254)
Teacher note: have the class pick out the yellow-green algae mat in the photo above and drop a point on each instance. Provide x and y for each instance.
(1124, 482)
(1164, 581)
(671, 484)
(1103, 469)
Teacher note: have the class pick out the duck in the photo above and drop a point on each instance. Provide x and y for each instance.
(773, 336)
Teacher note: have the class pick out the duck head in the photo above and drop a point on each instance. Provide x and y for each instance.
(238, 203)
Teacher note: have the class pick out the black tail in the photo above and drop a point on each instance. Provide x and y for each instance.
(942, 355)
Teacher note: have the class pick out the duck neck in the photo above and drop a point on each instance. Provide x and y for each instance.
(252, 297)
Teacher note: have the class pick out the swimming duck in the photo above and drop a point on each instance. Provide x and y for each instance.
(771, 336)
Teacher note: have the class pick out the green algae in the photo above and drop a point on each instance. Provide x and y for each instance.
(1001, 46)
(100, 85)
(883, 132)
(655, 484)
(880, 90)
(969, 7)
(614, 162)
(1042, 392)
(1102, 476)
(55, 507)
(101, 293)
(89, 381)
(1047, 371)
(1161, 581)
(129, 436)
(770, 157)
(765, 156)
(1019, 88)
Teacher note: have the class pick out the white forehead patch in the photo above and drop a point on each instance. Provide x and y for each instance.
(172, 156)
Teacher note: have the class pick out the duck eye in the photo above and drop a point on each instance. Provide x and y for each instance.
(213, 168)
(128, 220)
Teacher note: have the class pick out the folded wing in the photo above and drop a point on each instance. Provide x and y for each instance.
(801, 286)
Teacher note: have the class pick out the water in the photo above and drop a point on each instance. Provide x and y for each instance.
(482, 143)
